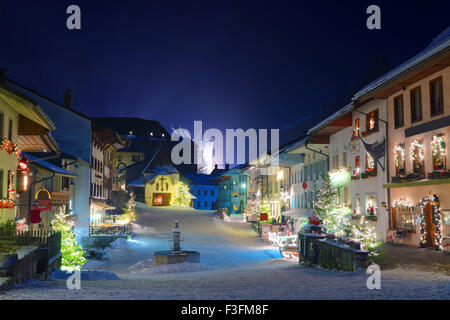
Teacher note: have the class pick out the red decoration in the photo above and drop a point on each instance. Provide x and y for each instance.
(304, 185)
(23, 165)
(6, 204)
(10, 147)
(263, 217)
(35, 216)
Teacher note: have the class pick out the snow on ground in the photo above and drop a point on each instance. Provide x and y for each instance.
(234, 264)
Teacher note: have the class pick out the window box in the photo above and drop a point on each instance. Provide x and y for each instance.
(369, 173)
(408, 178)
(439, 174)
(369, 132)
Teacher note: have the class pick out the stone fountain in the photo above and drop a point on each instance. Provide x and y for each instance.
(176, 255)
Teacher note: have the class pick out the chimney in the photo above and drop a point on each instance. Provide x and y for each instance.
(68, 99)
(2, 75)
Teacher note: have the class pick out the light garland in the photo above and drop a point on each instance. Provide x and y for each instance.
(438, 146)
(402, 203)
(399, 155)
(412, 154)
(10, 147)
(11, 185)
(6, 204)
(339, 177)
(437, 220)
(370, 162)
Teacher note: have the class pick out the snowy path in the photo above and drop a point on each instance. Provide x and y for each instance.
(234, 265)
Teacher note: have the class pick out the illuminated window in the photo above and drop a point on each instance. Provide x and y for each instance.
(399, 159)
(417, 156)
(371, 205)
(372, 121)
(357, 204)
(438, 149)
(370, 163)
(357, 126)
(403, 215)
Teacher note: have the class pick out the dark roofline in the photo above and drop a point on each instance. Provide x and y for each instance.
(46, 98)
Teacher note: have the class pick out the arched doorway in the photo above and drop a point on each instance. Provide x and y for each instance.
(431, 221)
(430, 228)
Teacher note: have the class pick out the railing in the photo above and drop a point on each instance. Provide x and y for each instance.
(116, 230)
(48, 239)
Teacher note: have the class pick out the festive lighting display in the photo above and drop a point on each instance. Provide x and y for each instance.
(399, 158)
(11, 184)
(182, 197)
(6, 204)
(339, 177)
(436, 218)
(72, 253)
(416, 154)
(10, 147)
(438, 146)
(402, 203)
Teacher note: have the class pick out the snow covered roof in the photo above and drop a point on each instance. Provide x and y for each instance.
(440, 44)
(332, 117)
(49, 166)
(200, 179)
(139, 182)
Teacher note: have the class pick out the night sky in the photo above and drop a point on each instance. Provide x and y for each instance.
(232, 64)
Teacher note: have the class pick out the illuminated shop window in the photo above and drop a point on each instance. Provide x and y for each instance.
(371, 205)
(403, 215)
(357, 205)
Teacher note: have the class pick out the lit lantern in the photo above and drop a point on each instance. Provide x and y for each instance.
(22, 175)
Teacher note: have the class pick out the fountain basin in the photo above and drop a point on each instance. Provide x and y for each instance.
(170, 257)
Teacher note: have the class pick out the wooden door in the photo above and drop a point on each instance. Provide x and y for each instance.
(429, 226)
(394, 218)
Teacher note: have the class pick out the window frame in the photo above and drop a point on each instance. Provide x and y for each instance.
(412, 101)
(441, 92)
(397, 124)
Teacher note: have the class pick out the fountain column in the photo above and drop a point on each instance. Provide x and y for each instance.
(176, 238)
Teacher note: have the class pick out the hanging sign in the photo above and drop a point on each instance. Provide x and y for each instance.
(43, 199)
(354, 146)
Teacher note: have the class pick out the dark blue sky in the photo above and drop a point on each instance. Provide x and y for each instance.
(229, 63)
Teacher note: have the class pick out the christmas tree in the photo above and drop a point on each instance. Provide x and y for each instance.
(325, 202)
(182, 197)
(72, 253)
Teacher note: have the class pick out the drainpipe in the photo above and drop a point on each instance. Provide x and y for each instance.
(57, 155)
(319, 152)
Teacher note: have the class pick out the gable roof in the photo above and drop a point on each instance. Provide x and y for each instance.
(139, 127)
(35, 92)
(25, 106)
(439, 45)
(49, 166)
